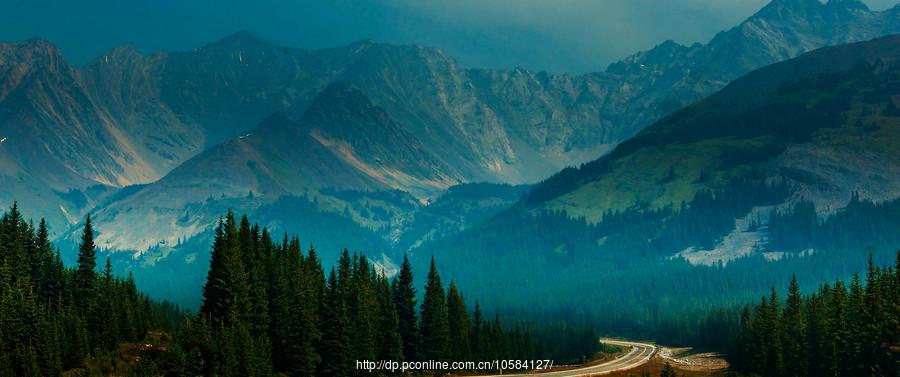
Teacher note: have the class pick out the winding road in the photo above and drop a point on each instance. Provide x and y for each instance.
(639, 354)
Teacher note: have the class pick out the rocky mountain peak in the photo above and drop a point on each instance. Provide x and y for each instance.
(337, 100)
(847, 5)
(31, 52)
(239, 40)
(789, 9)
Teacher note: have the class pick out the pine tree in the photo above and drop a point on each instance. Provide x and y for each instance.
(742, 355)
(794, 332)
(837, 328)
(214, 290)
(816, 334)
(227, 291)
(87, 262)
(390, 344)
(363, 309)
(405, 301)
(458, 320)
(109, 328)
(774, 359)
(12, 228)
(335, 347)
(476, 333)
(856, 325)
(49, 278)
(313, 299)
(434, 326)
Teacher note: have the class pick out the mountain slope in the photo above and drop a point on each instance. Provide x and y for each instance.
(671, 76)
(128, 118)
(342, 142)
(791, 169)
(770, 118)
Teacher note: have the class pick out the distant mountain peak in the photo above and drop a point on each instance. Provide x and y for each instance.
(848, 4)
(782, 8)
(123, 51)
(240, 38)
(363, 42)
(340, 93)
(37, 46)
(803, 8)
(31, 53)
(338, 98)
(277, 118)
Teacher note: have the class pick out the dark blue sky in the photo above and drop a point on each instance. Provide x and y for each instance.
(559, 36)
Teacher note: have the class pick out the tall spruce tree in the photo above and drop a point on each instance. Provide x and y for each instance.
(336, 349)
(458, 320)
(85, 276)
(364, 310)
(214, 291)
(793, 341)
(405, 301)
(476, 333)
(390, 344)
(434, 327)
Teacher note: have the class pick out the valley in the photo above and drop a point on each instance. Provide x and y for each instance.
(261, 209)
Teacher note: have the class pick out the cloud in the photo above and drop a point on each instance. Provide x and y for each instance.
(558, 35)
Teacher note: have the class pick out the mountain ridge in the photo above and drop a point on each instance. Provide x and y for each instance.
(821, 123)
(154, 112)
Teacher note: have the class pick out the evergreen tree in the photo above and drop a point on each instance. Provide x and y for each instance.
(109, 329)
(364, 310)
(405, 301)
(794, 330)
(335, 348)
(85, 276)
(458, 320)
(226, 296)
(832, 332)
(774, 359)
(476, 333)
(434, 326)
(51, 317)
(390, 344)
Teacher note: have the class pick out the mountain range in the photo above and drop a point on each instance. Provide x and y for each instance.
(792, 169)
(370, 132)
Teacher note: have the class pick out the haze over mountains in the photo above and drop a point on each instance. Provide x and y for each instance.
(195, 131)
(791, 169)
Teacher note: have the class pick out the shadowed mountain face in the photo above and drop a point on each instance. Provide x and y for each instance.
(820, 130)
(792, 168)
(342, 143)
(807, 119)
(127, 118)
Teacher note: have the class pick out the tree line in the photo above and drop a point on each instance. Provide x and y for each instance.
(270, 308)
(53, 318)
(839, 330)
(861, 222)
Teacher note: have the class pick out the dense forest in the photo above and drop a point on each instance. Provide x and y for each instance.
(838, 330)
(54, 318)
(268, 308)
(861, 222)
(630, 252)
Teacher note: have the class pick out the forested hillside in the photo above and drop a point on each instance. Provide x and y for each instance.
(54, 318)
(838, 330)
(270, 308)
(793, 168)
